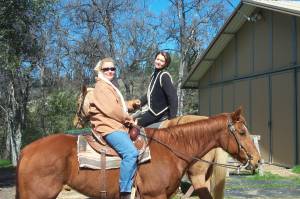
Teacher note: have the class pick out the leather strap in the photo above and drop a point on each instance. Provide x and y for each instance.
(103, 192)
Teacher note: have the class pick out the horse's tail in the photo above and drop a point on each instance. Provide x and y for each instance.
(218, 176)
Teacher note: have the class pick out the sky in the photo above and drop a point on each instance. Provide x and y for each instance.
(158, 6)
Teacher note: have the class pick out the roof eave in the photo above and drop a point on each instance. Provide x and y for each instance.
(188, 81)
(194, 66)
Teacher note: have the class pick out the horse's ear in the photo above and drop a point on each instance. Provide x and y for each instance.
(84, 89)
(236, 114)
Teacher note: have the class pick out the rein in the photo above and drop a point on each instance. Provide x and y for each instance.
(183, 156)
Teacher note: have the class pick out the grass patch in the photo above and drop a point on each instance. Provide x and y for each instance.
(267, 181)
(296, 169)
(5, 163)
(266, 177)
(261, 186)
(274, 177)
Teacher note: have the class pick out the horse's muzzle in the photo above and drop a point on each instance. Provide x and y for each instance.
(253, 165)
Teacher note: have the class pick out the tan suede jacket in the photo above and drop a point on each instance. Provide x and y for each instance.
(107, 114)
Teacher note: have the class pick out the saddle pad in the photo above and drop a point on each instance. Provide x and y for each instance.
(89, 158)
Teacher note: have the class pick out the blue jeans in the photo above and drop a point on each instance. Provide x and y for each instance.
(121, 142)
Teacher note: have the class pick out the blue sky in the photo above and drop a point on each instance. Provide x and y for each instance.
(158, 6)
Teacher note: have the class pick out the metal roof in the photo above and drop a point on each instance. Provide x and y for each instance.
(241, 14)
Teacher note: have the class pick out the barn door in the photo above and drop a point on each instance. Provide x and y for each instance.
(260, 114)
(283, 118)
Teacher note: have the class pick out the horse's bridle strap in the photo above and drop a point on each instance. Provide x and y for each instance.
(232, 130)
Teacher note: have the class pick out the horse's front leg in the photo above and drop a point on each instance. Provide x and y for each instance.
(201, 186)
(200, 174)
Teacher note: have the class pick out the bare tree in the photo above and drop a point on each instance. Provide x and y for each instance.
(189, 23)
(139, 40)
(119, 29)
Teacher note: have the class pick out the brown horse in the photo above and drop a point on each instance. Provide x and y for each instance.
(51, 162)
(208, 180)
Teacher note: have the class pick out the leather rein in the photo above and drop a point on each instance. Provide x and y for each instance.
(232, 131)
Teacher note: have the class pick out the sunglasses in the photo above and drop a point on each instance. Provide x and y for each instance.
(108, 69)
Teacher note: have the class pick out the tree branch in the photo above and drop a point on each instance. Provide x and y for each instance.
(3, 109)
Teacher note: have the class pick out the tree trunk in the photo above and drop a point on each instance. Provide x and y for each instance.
(43, 100)
(181, 92)
(126, 83)
(108, 24)
(183, 52)
(14, 123)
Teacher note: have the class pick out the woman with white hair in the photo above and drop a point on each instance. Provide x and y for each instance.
(110, 119)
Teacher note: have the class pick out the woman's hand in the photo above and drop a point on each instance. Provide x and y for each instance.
(129, 121)
(134, 129)
(136, 103)
(133, 104)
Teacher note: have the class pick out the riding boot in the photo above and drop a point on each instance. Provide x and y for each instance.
(125, 195)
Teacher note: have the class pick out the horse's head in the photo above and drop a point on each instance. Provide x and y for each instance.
(82, 114)
(238, 141)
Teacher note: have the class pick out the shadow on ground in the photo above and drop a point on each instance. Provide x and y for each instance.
(237, 187)
(7, 177)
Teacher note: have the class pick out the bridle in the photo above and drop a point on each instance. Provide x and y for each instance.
(81, 113)
(232, 130)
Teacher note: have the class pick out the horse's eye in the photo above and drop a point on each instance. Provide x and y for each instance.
(242, 132)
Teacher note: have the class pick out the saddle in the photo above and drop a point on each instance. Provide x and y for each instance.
(100, 145)
(109, 158)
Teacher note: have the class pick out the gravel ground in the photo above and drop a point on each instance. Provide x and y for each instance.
(7, 183)
(237, 186)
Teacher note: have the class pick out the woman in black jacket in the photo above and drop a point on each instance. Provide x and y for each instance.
(161, 96)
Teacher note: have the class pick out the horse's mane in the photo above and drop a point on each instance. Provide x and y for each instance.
(189, 133)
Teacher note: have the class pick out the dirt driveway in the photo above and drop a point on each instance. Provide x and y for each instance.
(237, 186)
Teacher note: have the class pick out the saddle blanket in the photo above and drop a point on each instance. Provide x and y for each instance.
(89, 158)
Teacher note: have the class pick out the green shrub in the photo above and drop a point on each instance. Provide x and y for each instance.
(53, 114)
(296, 169)
(5, 163)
